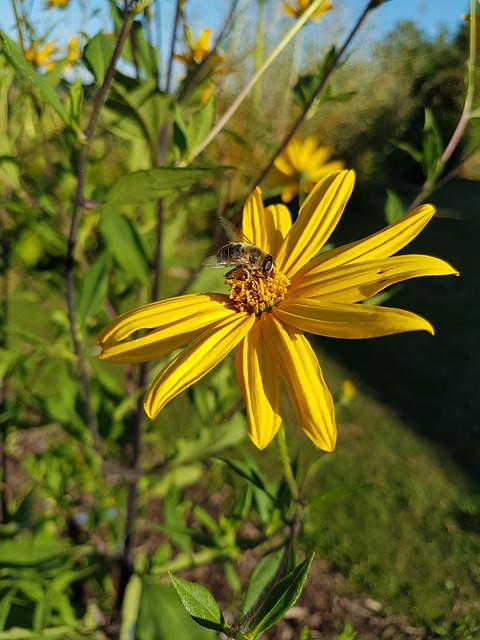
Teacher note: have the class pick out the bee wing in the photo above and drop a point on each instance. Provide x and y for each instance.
(234, 234)
(213, 263)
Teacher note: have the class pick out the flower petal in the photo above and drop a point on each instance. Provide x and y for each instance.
(382, 244)
(259, 381)
(196, 360)
(336, 320)
(253, 214)
(158, 314)
(168, 337)
(358, 281)
(266, 228)
(303, 377)
(316, 220)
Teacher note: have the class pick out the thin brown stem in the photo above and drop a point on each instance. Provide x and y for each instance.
(84, 155)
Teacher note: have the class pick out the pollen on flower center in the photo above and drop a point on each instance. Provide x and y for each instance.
(253, 291)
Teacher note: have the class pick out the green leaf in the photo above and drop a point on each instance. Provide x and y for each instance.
(199, 604)
(142, 54)
(262, 574)
(145, 186)
(348, 633)
(130, 608)
(125, 245)
(161, 612)
(75, 103)
(394, 207)
(137, 109)
(94, 288)
(410, 149)
(432, 148)
(97, 55)
(25, 70)
(281, 598)
(192, 126)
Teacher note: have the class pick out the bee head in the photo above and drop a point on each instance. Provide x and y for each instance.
(268, 263)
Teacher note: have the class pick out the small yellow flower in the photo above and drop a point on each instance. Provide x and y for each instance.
(73, 50)
(198, 49)
(296, 9)
(268, 310)
(302, 163)
(62, 4)
(41, 56)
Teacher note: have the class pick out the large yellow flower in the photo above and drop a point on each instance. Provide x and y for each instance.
(302, 163)
(267, 311)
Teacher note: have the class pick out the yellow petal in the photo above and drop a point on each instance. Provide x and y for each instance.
(290, 190)
(382, 244)
(316, 220)
(266, 228)
(354, 282)
(253, 214)
(303, 377)
(196, 360)
(160, 314)
(283, 163)
(336, 320)
(259, 381)
(161, 341)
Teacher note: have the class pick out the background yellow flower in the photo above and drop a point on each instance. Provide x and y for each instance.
(296, 9)
(301, 164)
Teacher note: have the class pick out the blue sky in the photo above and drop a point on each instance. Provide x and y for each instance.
(429, 15)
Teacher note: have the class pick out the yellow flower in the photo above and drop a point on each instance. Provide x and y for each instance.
(57, 3)
(73, 50)
(269, 309)
(41, 57)
(303, 163)
(197, 49)
(300, 6)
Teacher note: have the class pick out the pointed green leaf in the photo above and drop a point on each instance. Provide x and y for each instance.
(124, 244)
(394, 207)
(162, 616)
(26, 71)
(144, 186)
(199, 604)
(281, 598)
(432, 147)
(262, 574)
(97, 55)
(94, 288)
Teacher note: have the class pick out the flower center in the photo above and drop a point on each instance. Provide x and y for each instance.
(254, 291)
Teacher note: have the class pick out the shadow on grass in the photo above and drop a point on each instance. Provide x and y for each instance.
(432, 382)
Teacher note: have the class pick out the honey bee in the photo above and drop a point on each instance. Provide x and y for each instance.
(239, 252)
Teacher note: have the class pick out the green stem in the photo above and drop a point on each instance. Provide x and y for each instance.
(287, 467)
(253, 80)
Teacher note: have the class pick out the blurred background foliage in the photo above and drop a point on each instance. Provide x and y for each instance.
(411, 425)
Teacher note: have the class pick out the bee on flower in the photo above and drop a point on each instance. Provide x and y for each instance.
(301, 164)
(73, 50)
(287, 290)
